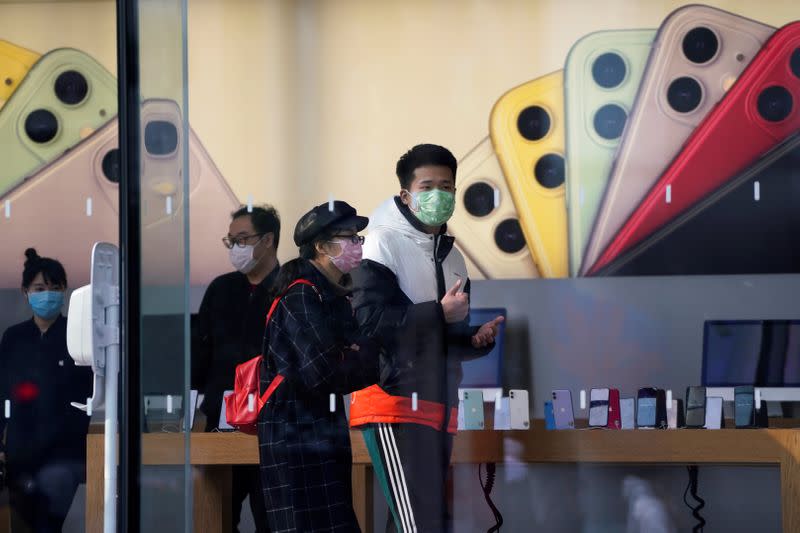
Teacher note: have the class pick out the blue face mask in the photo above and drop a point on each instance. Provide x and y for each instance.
(46, 304)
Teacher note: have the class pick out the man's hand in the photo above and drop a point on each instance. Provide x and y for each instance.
(487, 332)
(455, 304)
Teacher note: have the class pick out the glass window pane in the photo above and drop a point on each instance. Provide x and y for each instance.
(164, 215)
(59, 196)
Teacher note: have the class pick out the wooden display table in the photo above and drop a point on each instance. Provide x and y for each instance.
(213, 453)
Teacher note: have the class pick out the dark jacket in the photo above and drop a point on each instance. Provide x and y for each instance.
(304, 447)
(228, 331)
(40, 378)
(396, 295)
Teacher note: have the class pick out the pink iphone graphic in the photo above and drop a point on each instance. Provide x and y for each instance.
(73, 202)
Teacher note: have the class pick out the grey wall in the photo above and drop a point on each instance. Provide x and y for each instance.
(626, 333)
(623, 332)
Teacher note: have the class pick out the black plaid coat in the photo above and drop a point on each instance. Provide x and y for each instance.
(304, 447)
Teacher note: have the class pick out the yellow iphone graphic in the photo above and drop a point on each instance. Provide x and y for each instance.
(15, 62)
(485, 223)
(527, 131)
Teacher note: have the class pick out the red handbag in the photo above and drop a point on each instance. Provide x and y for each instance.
(242, 407)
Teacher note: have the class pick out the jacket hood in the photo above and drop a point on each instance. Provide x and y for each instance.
(388, 216)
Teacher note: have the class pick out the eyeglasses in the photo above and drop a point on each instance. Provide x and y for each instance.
(240, 241)
(354, 239)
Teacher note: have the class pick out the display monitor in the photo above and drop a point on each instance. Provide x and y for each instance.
(485, 372)
(763, 353)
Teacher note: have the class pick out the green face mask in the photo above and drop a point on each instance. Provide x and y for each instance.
(434, 207)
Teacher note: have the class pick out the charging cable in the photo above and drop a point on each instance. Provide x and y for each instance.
(692, 488)
(487, 491)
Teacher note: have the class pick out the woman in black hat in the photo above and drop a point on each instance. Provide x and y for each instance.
(312, 356)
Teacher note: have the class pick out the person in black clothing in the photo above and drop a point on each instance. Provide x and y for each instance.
(313, 343)
(411, 293)
(229, 330)
(45, 437)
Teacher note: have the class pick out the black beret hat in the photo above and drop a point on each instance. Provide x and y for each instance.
(322, 218)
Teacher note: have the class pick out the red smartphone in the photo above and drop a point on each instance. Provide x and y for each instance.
(761, 110)
(614, 419)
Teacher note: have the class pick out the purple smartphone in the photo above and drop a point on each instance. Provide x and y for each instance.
(562, 409)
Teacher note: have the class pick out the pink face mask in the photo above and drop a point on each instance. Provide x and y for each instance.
(349, 258)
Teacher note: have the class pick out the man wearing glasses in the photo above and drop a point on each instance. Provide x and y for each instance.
(229, 330)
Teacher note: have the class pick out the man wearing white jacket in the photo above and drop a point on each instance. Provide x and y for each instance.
(411, 293)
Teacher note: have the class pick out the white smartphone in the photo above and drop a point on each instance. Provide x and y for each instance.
(519, 409)
(194, 400)
(713, 412)
(502, 417)
(672, 415)
(598, 408)
(223, 419)
(627, 408)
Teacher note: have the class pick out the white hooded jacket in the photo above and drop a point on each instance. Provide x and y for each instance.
(396, 293)
(409, 253)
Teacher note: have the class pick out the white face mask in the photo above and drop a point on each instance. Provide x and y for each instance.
(242, 258)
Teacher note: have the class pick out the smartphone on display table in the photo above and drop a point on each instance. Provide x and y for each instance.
(714, 418)
(519, 409)
(562, 409)
(695, 407)
(744, 406)
(549, 418)
(646, 408)
(614, 416)
(598, 408)
(473, 410)
(627, 407)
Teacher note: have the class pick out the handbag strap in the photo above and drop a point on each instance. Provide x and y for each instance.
(277, 380)
(299, 281)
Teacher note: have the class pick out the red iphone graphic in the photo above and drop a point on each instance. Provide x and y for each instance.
(761, 110)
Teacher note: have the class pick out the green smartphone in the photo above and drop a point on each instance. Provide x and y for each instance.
(601, 79)
(473, 409)
(65, 97)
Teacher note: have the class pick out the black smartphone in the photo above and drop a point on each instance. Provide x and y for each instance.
(681, 422)
(661, 409)
(695, 407)
(744, 406)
